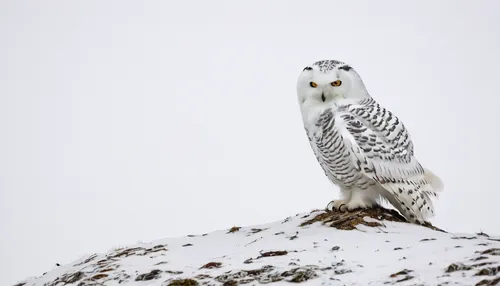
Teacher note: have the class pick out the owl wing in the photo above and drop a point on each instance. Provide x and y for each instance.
(381, 148)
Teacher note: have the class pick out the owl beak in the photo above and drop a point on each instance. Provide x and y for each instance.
(323, 98)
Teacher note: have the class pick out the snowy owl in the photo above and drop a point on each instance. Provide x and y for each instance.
(362, 147)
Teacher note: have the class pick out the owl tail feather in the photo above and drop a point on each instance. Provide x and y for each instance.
(412, 197)
(434, 181)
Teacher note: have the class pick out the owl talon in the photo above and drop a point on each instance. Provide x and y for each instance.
(339, 205)
(342, 208)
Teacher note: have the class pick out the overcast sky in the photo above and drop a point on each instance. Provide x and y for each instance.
(127, 121)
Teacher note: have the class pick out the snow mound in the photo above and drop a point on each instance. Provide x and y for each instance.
(365, 247)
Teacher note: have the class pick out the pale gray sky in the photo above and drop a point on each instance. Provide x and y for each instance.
(123, 121)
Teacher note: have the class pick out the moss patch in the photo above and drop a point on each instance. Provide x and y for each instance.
(183, 282)
(234, 229)
(349, 220)
(492, 251)
(487, 282)
(273, 253)
(154, 274)
(211, 265)
(99, 276)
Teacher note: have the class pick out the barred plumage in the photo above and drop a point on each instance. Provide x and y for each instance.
(362, 147)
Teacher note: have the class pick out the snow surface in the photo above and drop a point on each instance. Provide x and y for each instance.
(376, 252)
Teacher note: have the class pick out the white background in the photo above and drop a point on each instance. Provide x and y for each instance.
(123, 121)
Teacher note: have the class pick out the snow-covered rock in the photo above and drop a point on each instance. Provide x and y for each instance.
(371, 247)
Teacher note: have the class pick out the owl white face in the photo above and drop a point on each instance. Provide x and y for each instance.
(327, 82)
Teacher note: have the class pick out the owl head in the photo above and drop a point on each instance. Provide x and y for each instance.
(330, 81)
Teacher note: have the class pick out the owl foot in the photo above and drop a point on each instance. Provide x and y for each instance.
(344, 205)
(354, 204)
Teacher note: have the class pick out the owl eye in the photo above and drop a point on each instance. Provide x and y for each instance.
(313, 84)
(336, 83)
